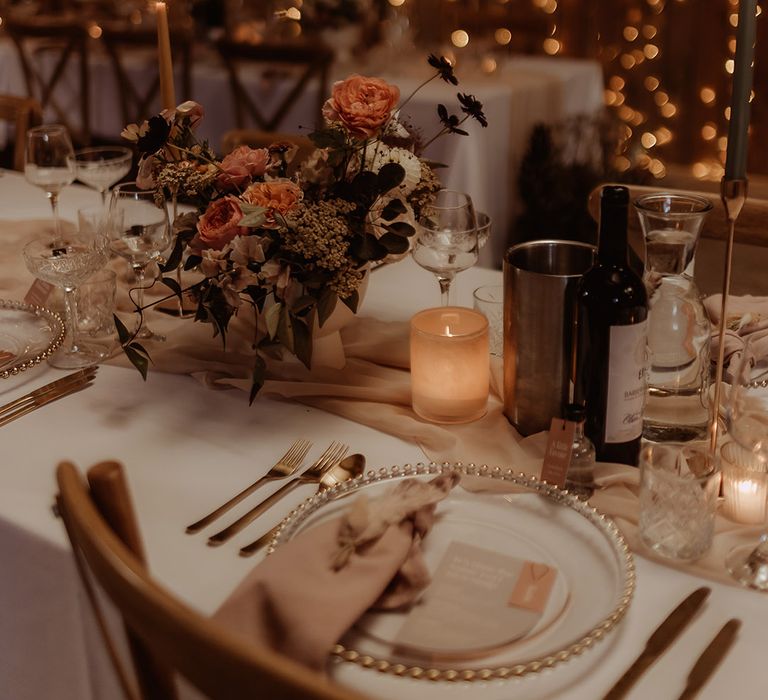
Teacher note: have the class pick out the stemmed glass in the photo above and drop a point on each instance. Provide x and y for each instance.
(139, 231)
(49, 163)
(66, 261)
(747, 421)
(446, 238)
(101, 167)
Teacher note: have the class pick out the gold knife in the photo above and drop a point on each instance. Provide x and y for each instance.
(710, 658)
(659, 641)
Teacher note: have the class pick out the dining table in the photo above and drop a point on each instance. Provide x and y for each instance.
(188, 443)
(521, 92)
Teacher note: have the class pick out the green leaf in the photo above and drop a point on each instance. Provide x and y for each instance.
(367, 247)
(173, 285)
(272, 319)
(192, 262)
(393, 209)
(352, 301)
(257, 377)
(325, 305)
(122, 331)
(394, 244)
(302, 342)
(254, 218)
(138, 360)
(285, 328)
(389, 177)
(400, 228)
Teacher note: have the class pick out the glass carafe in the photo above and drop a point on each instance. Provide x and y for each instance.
(676, 406)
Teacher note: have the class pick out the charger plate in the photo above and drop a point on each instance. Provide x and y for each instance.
(512, 514)
(28, 335)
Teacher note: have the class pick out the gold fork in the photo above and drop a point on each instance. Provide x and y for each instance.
(287, 465)
(65, 386)
(335, 452)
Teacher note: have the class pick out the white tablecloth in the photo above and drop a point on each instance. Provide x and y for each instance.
(523, 92)
(186, 447)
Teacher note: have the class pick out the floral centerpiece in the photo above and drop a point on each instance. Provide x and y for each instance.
(289, 239)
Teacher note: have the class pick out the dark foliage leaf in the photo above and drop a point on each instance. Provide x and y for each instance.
(328, 138)
(139, 361)
(122, 331)
(389, 177)
(394, 244)
(302, 342)
(364, 185)
(367, 247)
(257, 377)
(173, 285)
(302, 305)
(192, 262)
(352, 301)
(400, 228)
(325, 305)
(174, 259)
(442, 112)
(392, 210)
(285, 328)
(257, 295)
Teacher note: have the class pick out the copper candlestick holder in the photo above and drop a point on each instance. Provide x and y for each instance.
(733, 194)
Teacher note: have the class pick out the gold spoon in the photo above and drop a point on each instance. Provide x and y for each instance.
(349, 468)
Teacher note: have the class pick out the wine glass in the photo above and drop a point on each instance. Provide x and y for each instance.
(101, 167)
(747, 421)
(65, 261)
(139, 231)
(446, 238)
(49, 163)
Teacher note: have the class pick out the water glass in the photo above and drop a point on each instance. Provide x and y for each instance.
(489, 301)
(95, 299)
(679, 486)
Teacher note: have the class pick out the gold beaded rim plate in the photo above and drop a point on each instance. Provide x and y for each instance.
(32, 334)
(575, 645)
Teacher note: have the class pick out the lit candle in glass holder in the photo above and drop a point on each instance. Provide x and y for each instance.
(745, 485)
(449, 364)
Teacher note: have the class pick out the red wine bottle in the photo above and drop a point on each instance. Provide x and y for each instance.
(611, 313)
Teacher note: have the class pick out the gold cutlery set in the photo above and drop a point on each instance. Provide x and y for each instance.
(330, 468)
(663, 637)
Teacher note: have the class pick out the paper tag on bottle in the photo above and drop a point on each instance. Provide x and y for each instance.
(557, 458)
(478, 599)
(38, 293)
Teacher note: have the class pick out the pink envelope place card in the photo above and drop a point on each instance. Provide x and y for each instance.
(38, 293)
(6, 357)
(557, 457)
(479, 600)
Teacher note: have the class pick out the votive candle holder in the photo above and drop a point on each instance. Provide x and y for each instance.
(745, 485)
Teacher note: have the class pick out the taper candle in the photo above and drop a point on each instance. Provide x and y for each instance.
(738, 126)
(165, 63)
(449, 364)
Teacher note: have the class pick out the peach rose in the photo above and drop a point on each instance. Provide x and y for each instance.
(276, 196)
(219, 224)
(362, 105)
(242, 165)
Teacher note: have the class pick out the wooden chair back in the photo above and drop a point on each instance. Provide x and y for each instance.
(138, 98)
(222, 666)
(23, 113)
(303, 63)
(66, 42)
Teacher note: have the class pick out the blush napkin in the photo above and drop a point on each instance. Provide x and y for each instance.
(301, 599)
(747, 316)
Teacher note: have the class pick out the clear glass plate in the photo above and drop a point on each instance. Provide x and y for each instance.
(28, 335)
(533, 521)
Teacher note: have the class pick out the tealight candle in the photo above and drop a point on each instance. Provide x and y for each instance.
(745, 485)
(449, 364)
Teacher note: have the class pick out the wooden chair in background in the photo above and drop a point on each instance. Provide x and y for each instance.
(23, 113)
(165, 635)
(42, 42)
(138, 100)
(301, 64)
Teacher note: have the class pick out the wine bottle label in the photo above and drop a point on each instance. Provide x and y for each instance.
(626, 382)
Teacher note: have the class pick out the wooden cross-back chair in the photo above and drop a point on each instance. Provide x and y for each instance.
(138, 97)
(165, 636)
(66, 42)
(23, 113)
(306, 61)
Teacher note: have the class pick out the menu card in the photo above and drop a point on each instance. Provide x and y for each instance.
(478, 600)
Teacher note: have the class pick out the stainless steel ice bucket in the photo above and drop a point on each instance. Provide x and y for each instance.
(540, 281)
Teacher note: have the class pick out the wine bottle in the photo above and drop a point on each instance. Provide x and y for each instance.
(612, 308)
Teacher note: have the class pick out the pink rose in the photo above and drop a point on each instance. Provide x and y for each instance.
(242, 165)
(277, 196)
(219, 225)
(361, 104)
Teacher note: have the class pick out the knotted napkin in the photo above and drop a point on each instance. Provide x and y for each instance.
(747, 316)
(302, 598)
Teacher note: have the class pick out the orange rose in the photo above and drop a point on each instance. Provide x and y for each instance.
(219, 225)
(276, 196)
(362, 105)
